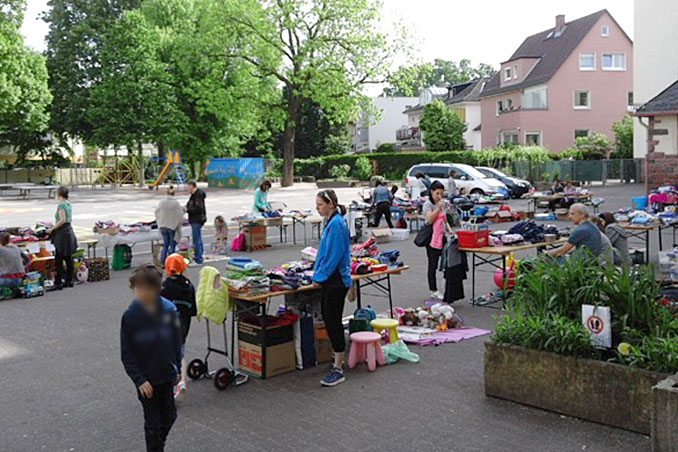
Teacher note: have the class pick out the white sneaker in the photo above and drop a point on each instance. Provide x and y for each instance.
(437, 295)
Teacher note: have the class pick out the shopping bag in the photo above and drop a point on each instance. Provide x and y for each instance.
(212, 296)
(424, 236)
(239, 242)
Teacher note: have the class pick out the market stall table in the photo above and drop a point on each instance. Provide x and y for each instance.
(642, 232)
(25, 190)
(110, 240)
(535, 198)
(490, 255)
(257, 304)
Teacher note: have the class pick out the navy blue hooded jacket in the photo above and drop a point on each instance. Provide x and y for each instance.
(150, 343)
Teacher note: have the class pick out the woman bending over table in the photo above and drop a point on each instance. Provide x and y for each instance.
(333, 272)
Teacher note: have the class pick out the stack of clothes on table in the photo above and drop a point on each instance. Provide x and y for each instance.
(291, 276)
(38, 234)
(527, 231)
(635, 217)
(246, 275)
(366, 249)
(663, 196)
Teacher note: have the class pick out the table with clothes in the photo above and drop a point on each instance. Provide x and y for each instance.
(554, 200)
(108, 234)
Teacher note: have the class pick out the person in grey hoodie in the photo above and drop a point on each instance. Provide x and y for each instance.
(618, 238)
(170, 216)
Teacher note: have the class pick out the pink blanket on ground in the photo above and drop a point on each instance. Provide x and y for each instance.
(454, 335)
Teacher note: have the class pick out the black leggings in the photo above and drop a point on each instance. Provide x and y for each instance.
(332, 309)
(383, 208)
(433, 255)
(59, 261)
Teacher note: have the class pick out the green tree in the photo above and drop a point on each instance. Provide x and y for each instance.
(443, 129)
(410, 80)
(74, 45)
(134, 101)
(594, 147)
(623, 143)
(24, 96)
(329, 50)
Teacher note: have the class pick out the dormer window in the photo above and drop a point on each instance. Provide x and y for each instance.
(605, 31)
(508, 74)
(515, 71)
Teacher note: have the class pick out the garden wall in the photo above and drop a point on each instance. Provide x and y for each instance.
(661, 169)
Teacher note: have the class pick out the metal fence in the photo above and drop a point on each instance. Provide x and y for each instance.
(618, 170)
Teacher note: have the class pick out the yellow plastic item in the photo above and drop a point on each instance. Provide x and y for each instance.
(173, 158)
(386, 324)
(213, 300)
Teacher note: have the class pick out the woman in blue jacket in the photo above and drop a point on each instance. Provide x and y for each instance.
(333, 273)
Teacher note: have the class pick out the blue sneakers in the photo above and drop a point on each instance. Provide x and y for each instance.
(333, 378)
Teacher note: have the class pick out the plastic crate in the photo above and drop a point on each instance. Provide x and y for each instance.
(474, 239)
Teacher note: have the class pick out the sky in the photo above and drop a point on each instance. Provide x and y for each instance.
(485, 31)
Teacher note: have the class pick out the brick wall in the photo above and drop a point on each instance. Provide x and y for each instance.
(661, 170)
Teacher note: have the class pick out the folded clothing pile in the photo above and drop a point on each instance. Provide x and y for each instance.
(38, 234)
(532, 232)
(291, 275)
(246, 275)
(366, 249)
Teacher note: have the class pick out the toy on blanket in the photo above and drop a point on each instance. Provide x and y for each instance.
(440, 316)
(82, 273)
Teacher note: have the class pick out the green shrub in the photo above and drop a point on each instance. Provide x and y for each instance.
(594, 147)
(385, 148)
(443, 128)
(340, 172)
(652, 353)
(362, 169)
(623, 142)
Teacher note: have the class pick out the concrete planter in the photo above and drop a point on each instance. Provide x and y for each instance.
(336, 183)
(597, 391)
(665, 415)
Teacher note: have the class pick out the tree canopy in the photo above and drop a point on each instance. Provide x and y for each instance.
(410, 80)
(443, 129)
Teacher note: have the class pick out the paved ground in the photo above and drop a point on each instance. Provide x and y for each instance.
(64, 388)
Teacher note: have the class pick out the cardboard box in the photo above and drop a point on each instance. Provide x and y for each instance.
(323, 347)
(382, 235)
(273, 221)
(562, 214)
(255, 237)
(280, 359)
(501, 216)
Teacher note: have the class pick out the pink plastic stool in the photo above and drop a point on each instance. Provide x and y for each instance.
(366, 346)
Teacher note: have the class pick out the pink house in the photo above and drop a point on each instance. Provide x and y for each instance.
(569, 81)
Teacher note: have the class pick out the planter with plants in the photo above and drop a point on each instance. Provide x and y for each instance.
(339, 174)
(542, 355)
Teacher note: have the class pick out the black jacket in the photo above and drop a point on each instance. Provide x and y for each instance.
(150, 344)
(180, 291)
(197, 213)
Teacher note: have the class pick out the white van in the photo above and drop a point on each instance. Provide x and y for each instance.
(469, 180)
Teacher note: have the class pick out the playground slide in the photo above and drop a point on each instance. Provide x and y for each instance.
(163, 174)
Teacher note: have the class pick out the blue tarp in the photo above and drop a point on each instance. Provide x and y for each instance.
(235, 173)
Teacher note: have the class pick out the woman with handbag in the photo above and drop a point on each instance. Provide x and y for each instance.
(436, 219)
(64, 241)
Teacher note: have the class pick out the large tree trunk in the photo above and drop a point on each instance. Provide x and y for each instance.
(288, 140)
(142, 177)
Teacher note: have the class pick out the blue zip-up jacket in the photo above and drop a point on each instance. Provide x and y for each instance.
(382, 194)
(335, 252)
(150, 344)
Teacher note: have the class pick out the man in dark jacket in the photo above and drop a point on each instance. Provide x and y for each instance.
(197, 216)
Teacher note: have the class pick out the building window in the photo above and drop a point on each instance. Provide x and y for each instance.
(582, 100)
(581, 133)
(629, 99)
(535, 98)
(509, 104)
(515, 71)
(614, 61)
(587, 61)
(508, 74)
(509, 137)
(605, 31)
(500, 106)
(533, 139)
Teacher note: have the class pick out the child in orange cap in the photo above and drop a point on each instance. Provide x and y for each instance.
(180, 291)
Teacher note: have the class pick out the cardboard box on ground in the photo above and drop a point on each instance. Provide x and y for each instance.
(279, 343)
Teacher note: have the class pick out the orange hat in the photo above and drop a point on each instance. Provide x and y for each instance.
(175, 264)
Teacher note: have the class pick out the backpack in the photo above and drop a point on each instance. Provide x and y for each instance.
(122, 257)
(401, 224)
(361, 320)
(239, 243)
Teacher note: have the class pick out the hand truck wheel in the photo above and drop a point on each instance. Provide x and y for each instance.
(196, 369)
(223, 378)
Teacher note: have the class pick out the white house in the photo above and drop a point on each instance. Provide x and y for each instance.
(464, 100)
(409, 135)
(369, 133)
(656, 65)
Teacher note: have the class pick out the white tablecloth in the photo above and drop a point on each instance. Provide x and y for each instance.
(110, 240)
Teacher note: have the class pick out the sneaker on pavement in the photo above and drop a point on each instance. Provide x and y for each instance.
(333, 378)
(436, 295)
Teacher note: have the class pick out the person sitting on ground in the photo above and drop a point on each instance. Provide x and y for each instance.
(585, 235)
(11, 263)
(261, 204)
(382, 198)
(618, 238)
(220, 235)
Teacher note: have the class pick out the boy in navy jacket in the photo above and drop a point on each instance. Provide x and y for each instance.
(150, 346)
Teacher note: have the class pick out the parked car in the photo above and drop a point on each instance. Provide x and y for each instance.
(518, 187)
(469, 180)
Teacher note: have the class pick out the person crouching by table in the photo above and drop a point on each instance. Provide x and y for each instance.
(333, 272)
(64, 241)
(11, 263)
(179, 290)
(150, 349)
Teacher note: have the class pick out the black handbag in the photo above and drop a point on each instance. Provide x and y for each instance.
(424, 236)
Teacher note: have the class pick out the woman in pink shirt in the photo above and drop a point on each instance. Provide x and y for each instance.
(435, 214)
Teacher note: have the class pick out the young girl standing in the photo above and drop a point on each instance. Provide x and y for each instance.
(333, 273)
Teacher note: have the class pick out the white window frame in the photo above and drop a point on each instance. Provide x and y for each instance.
(515, 72)
(515, 133)
(500, 110)
(629, 94)
(524, 104)
(588, 132)
(614, 68)
(574, 99)
(509, 104)
(508, 74)
(588, 69)
(605, 31)
(540, 133)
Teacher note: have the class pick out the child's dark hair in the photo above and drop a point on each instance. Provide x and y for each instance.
(330, 196)
(265, 185)
(219, 219)
(147, 276)
(62, 191)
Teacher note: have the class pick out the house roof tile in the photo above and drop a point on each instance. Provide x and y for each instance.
(664, 102)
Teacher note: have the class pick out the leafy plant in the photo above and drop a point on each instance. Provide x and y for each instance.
(594, 147)
(385, 147)
(363, 168)
(340, 172)
(623, 133)
(444, 129)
